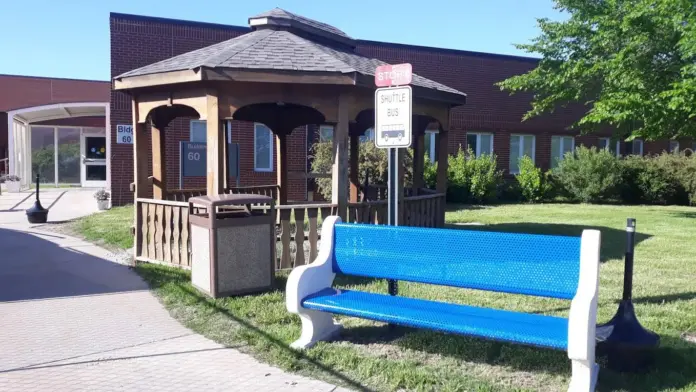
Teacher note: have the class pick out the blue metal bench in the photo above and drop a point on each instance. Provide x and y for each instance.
(537, 265)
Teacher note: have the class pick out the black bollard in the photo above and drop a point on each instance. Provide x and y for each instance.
(37, 214)
(627, 346)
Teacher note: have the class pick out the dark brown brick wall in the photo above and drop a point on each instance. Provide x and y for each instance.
(138, 41)
(17, 92)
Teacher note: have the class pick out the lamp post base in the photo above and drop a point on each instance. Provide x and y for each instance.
(627, 345)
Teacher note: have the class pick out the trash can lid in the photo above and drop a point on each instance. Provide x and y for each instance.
(227, 200)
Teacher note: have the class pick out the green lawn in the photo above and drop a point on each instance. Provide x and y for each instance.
(110, 228)
(370, 357)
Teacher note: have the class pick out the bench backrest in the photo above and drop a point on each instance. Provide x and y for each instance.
(539, 265)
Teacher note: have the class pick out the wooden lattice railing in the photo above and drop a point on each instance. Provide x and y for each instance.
(163, 233)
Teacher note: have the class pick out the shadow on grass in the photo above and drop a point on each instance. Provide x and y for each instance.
(613, 240)
(666, 298)
(684, 214)
(673, 365)
(158, 276)
(674, 359)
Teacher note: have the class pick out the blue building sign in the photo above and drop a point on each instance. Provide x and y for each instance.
(194, 160)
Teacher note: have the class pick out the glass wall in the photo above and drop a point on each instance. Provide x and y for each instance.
(69, 155)
(43, 158)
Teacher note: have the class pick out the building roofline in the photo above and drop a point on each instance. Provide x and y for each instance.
(449, 51)
(359, 41)
(191, 23)
(54, 78)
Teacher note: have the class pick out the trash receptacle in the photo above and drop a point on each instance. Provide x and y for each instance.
(232, 246)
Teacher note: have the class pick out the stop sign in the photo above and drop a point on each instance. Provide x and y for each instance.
(393, 75)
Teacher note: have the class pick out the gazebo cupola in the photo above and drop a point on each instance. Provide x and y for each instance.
(279, 19)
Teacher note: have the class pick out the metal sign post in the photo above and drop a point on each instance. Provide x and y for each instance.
(393, 107)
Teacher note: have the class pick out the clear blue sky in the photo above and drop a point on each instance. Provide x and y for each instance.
(70, 38)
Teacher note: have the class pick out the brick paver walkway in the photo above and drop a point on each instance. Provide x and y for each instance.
(71, 320)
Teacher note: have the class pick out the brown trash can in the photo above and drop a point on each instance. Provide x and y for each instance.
(232, 246)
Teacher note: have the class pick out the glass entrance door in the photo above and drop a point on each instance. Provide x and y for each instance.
(94, 160)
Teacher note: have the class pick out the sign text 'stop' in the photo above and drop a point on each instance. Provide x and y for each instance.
(393, 75)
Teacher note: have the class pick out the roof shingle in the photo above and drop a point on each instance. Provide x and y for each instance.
(271, 49)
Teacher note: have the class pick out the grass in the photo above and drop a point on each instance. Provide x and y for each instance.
(371, 357)
(110, 228)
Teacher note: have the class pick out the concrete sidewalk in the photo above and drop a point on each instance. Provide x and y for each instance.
(73, 319)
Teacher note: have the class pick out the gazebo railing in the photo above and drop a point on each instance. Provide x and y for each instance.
(163, 236)
(185, 194)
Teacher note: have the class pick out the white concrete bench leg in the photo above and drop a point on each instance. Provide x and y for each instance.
(582, 320)
(309, 279)
(584, 378)
(316, 326)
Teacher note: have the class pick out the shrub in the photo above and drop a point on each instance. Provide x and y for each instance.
(662, 179)
(589, 175)
(472, 179)
(533, 183)
(430, 173)
(372, 161)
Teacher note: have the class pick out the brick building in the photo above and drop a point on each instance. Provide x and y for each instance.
(52, 117)
(489, 122)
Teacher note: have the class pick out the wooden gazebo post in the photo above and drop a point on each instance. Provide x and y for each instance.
(215, 138)
(159, 170)
(354, 157)
(282, 166)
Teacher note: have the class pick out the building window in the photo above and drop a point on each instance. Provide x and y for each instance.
(634, 147)
(429, 143)
(520, 145)
(263, 148)
(198, 131)
(326, 133)
(673, 146)
(480, 143)
(368, 135)
(604, 143)
(560, 145)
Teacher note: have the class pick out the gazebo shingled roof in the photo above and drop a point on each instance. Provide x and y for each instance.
(279, 47)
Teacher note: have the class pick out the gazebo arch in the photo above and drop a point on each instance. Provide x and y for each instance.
(287, 72)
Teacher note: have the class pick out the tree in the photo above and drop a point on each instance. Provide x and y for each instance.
(631, 62)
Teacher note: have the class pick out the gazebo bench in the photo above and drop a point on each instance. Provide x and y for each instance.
(536, 265)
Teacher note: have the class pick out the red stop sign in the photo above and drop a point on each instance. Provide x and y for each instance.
(393, 75)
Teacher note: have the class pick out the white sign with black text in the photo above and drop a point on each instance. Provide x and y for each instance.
(393, 107)
(124, 134)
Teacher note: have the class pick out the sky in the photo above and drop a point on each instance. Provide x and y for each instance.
(70, 38)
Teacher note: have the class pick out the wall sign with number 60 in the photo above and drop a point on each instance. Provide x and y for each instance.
(194, 156)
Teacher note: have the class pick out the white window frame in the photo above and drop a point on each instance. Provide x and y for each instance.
(521, 151)
(191, 130)
(563, 137)
(608, 144)
(321, 134)
(477, 153)
(671, 149)
(432, 134)
(270, 155)
(633, 147)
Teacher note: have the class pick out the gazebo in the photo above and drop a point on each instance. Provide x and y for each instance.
(289, 71)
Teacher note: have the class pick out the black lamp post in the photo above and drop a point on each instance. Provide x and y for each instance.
(37, 214)
(628, 346)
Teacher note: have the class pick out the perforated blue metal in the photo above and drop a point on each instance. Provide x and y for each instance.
(532, 329)
(539, 265)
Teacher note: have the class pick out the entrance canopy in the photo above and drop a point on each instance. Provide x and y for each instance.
(65, 144)
(289, 71)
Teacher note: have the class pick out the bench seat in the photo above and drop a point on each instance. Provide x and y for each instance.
(496, 324)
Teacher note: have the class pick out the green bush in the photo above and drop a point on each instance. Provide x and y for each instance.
(589, 175)
(662, 179)
(533, 183)
(472, 179)
(372, 161)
